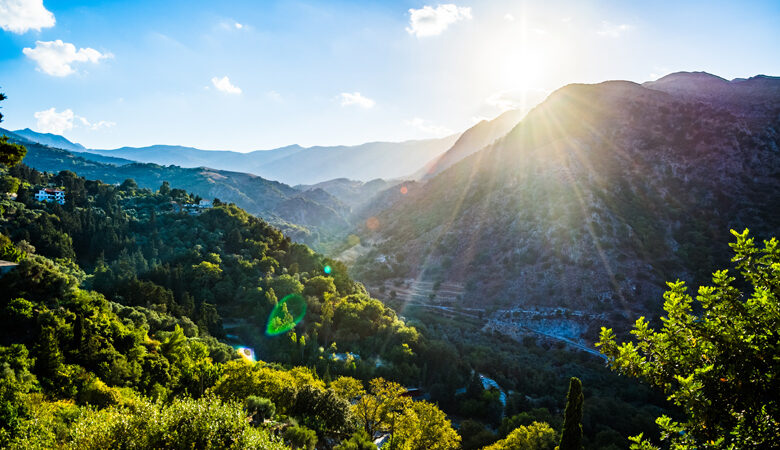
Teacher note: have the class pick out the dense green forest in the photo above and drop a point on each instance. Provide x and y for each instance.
(119, 301)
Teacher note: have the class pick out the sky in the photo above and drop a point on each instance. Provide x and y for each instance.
(250, 75)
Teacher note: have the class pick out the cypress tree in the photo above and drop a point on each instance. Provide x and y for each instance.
(571, 436)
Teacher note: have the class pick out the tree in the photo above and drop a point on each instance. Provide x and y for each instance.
(260, 408)
(537, 436)
(423, 426)
(300, 437)
(348, 388)
(720, 365)
(10, 154)
(165, 188)
(358, 441)
(571, 436)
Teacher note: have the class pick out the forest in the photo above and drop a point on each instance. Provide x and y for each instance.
(121, 320)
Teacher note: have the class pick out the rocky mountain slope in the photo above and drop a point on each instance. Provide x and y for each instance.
(471, 141)
(601, 194)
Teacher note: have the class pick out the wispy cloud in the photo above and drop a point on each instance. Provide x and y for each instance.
(275, 96)
(357, 99)
(428, 127)
(51, 121)
(20, 16)
(509, 17)
(430, 21)
(55, 58)
(613, 30)
(224, 85)
(231, 24)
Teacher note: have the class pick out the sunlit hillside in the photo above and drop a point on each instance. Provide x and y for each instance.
(493, 225)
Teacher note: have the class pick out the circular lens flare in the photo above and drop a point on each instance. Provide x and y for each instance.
(327, 270)
(404, 190)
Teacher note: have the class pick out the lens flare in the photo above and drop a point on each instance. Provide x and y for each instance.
(286, 315)
(372, 223)
(247, 353)
(404, 190)
(327, 270)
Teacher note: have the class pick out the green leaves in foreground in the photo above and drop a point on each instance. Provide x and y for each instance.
(722, 365)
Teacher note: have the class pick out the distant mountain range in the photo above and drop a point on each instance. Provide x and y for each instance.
(291, 165)
(596, 198)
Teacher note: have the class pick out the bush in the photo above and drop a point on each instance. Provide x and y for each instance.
(260, 408)
(300, 437)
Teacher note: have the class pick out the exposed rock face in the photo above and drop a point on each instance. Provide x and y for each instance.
(601, 194)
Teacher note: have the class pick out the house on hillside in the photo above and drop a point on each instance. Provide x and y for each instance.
(51, 195)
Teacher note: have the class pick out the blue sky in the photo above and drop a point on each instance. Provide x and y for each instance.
(111, 73)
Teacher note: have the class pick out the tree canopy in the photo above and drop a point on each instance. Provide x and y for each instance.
(717, 357)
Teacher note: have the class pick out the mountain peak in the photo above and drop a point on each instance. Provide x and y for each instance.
(52, 140)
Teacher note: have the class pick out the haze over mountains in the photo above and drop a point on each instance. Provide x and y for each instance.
(601, 194)
(295, 164)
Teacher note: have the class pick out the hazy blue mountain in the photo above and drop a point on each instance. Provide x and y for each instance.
(297, 165)
(352, 192)
(52, 140)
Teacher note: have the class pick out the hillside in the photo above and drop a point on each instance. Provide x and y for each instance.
(314, 212)
(471, 141)
(111, 313)
(600, 195)
(295, 164)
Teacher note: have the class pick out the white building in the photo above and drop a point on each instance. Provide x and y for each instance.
(51, 195)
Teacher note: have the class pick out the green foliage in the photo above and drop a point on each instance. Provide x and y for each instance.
(718, 365)
(300, 437)
(571, 435)
(360, 440)
(9, 184)
(184, 423)
(10, 154)
(260, 408)
(536, 436)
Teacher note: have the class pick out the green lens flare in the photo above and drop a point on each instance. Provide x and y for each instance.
(327, 270)
(286, 314)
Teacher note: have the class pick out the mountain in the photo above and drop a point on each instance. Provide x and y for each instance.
(298, 165)
(594, 200)
(472, 140)
(52, 140)
(352, 192)
(302, 215)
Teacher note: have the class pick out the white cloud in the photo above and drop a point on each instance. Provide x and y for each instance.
(55, 57)
(356, 98)
(223, 84)
(96, 125)
(51, 121)
(238, 26)
(20, 16)
(429, 21)
(612, 30)
(428, 127)
(509, 17)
